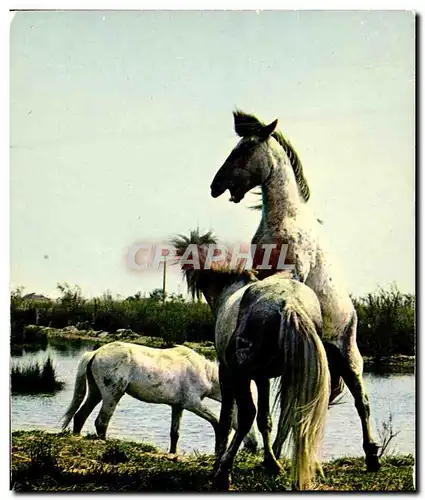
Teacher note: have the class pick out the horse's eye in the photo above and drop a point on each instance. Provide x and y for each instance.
(249, 143)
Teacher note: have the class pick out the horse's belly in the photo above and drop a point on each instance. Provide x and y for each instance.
(154, 389)
(335, 303)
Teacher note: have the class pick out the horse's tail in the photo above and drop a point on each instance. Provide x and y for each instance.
(79, 388)
(304, 390)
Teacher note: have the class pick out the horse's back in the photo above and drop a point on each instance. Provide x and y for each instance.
(264, 309)
(280, 291)
(119, 349)
(152, 374)
(111, 365)
(307, 250)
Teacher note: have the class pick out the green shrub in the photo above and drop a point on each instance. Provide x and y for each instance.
(386, 323)
(35, 378)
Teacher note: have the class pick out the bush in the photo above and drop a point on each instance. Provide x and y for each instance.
(386, 323)
(35, 378)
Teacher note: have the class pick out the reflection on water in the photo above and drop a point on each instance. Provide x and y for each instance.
(138, 421)
(18, 351)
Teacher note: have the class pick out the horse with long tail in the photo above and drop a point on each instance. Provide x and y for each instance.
(266, 329)
(176, 376)
(264, 157)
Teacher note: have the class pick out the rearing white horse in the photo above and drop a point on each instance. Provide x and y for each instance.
(263, 157)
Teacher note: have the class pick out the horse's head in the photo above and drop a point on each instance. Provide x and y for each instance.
(245, 167)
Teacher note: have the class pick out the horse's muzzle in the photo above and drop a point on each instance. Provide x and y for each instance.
(216, 192)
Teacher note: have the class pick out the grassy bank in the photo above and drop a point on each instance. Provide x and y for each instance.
(57, 337)
(397, 363)
(61, 462)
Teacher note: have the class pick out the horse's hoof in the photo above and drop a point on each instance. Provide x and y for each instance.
(294, 486)
(272, 467)
(372, 460)
(372, 464)
(221, 482)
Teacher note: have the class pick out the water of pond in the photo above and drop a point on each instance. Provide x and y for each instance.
(138, 421)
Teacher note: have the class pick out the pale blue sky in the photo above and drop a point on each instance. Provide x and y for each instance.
(119, 121)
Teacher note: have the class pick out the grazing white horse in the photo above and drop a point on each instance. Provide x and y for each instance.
(178, 376)
(263, 157)
(265, 329)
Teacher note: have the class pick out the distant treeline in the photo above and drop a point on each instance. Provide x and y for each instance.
(386, 319)
(175, 319)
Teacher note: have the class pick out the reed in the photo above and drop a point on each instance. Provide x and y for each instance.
(35, 378)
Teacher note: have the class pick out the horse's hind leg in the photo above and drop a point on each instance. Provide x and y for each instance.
(333, 355)
(106, 411)
(176, 416)
(280, 438)
(111, 395)
(246, 416)
(354, 381)
(264, 422)
(226, 413)
(83, 413)
(351, 371)
(93, 398)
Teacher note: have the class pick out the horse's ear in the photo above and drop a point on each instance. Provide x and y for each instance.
(268, 130)
(246, 125)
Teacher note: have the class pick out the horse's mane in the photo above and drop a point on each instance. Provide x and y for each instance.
(222, 276)
(220, 272)
(247, 125)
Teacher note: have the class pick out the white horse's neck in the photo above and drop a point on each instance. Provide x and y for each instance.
(281, 197)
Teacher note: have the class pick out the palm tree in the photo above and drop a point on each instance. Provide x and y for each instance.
(180, 242)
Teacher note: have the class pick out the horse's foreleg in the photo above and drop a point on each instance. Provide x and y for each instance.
(176, 416)
(264, 422)
(202, 411)
(246, 416)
